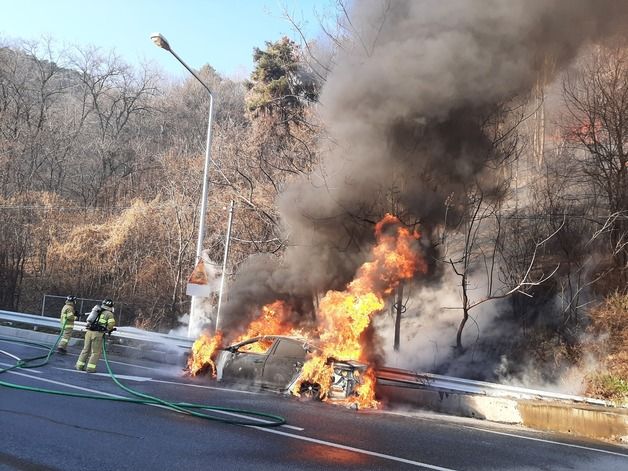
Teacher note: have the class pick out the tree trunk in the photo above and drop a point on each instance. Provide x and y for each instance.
(465, 315)
(399, 309)
(314, 305)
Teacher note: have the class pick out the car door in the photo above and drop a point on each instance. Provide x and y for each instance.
(247, 362)
(284, 361)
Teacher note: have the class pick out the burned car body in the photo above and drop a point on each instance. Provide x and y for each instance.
(274, 362)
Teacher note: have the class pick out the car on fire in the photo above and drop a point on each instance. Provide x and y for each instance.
(274, 362)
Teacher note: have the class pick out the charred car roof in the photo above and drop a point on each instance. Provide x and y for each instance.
(307, 345)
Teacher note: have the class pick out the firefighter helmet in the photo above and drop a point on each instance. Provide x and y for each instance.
(107, 303)
(70, 299)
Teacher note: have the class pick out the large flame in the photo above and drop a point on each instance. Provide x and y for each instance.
(202, 355)
(275, 319)
(345, 315)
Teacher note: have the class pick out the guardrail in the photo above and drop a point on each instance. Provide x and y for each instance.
(130, 333)
(392, 376)
(460, 385)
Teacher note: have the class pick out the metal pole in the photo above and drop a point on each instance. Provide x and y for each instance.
(224, 265)
(203, 211)
(161, 42)
(201, 224)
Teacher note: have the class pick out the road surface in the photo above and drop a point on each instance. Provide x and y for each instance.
(45, 432)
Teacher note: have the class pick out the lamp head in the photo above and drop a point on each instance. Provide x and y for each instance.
(160, 41)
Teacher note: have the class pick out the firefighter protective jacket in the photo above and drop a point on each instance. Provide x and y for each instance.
(68, 314)
(106, 321)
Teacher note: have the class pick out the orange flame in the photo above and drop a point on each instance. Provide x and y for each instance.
(345, 315)
(202, 355)
(275, 319)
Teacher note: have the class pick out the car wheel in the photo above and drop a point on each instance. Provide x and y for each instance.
(311, 391)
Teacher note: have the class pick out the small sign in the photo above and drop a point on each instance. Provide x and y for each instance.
(198, 282)
(199, 274)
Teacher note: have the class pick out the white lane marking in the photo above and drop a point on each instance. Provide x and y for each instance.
(116, 395)
(548, 441)
(332, 444)
(355, 450)
(129, 377)
(298, 437)
(117, 362)
(129, 364)
(176, 383)
(204, 387)
(59, 383)
(141, 378)
(292, 427)
(10, 355)
(76, 355)
(277, 432)
(13, 364)
(24, 344)
(80, 388)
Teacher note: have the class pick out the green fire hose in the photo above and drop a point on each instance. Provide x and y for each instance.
(267, 420)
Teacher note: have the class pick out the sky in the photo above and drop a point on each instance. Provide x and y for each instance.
(221, 33)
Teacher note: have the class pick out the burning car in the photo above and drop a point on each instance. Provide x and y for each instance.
(274, 362)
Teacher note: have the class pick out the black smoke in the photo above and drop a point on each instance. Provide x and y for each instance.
(405, 110)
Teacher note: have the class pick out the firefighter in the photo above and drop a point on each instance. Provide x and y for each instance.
(68, 316)
(99, 322)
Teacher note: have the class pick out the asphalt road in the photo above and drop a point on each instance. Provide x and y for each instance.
(46, 432)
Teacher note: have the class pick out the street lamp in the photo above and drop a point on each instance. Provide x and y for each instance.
(160, 41)
(224, 265)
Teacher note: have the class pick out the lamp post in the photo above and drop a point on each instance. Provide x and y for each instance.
(224, 266)
(160, 41)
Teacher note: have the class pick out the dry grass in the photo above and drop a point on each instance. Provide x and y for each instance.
(609, 345)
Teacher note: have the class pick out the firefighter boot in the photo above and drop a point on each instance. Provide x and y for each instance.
(63, 344)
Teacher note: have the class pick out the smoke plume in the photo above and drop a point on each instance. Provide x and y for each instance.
(405, 108)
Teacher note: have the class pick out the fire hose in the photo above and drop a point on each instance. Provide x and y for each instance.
(268, 420)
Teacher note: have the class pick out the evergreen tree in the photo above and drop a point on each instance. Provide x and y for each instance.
(281, 82)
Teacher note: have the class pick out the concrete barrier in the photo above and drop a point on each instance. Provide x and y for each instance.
(598, 422)
(588, 421)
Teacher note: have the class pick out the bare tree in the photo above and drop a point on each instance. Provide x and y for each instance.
(473, 243)
(114, 95)
(32, 86)
(596, 130)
